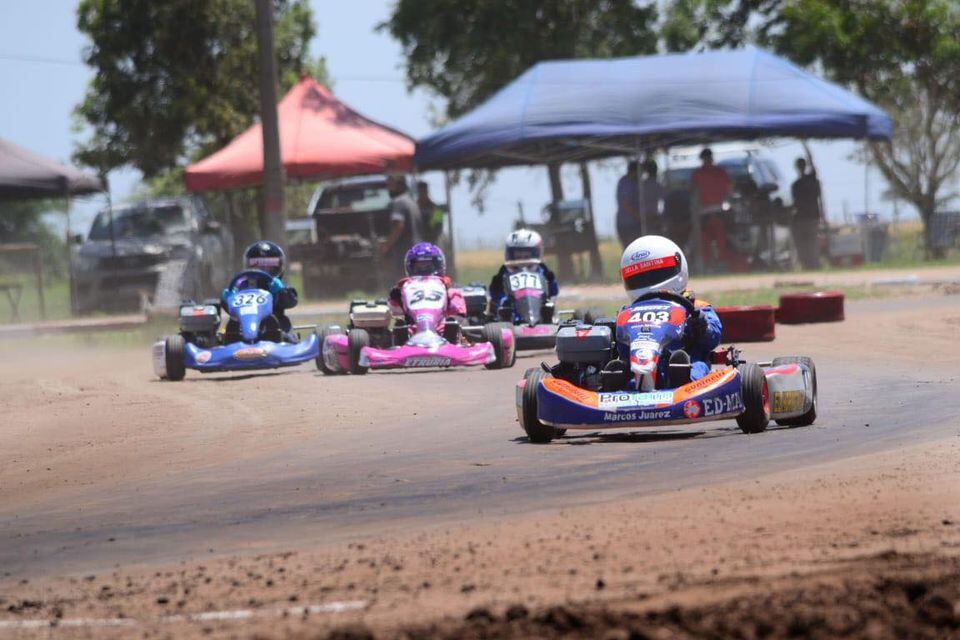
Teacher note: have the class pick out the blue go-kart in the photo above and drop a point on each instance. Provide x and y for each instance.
(592, 387)
(251, 339)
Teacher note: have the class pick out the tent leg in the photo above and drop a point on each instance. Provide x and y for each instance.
(453, 244)
(596, 267)
(69, 245)
(565, 270)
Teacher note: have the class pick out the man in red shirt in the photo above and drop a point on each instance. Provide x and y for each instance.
(712, 185)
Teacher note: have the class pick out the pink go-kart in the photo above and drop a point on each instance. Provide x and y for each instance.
(376, 339)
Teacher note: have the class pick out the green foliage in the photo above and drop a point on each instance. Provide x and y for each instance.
(176, 80)
(21, 221)
(465, 50)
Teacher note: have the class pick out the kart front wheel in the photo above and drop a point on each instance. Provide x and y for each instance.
(357, 339)
(537, 432)
(173, 353)
(493, 333)
(810, 416)
(322, 338)
(756, 402)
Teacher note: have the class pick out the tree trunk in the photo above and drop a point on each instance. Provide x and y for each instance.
(564, 258)
(596, 268)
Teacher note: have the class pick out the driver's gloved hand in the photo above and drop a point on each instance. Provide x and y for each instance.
(227, 291)
(275, 286)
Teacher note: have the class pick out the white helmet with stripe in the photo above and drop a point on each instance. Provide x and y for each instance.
(653, 263)
(523, 247)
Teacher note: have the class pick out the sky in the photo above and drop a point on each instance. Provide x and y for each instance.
(43, 79)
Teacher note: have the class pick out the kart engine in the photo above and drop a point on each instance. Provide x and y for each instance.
(584, 352)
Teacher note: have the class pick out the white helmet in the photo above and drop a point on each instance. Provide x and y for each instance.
(653, 263)
(523, 247)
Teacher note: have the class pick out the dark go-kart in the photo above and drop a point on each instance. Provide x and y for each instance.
(592, 388)
(526, 306)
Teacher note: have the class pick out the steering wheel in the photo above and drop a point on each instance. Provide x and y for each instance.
(670, 296)
(262, 277)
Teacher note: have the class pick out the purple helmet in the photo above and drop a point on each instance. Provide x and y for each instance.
(425, 259)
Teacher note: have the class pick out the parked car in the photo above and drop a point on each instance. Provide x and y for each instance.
(119, 265)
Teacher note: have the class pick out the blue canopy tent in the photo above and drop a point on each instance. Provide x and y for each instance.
(575, 110)
(579, 110)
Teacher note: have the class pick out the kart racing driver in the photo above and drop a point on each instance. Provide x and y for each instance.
(654, 263)
(425, 259)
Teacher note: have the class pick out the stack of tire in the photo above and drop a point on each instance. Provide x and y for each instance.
(757, 323)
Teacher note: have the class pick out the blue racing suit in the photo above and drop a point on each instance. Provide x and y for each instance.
(701, 335)
(497, 295)
(284, 298)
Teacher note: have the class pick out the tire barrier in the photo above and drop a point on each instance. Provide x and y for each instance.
(820, 306)
(755, 323)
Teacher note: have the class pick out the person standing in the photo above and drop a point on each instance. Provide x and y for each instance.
(628, 206)
(652, 194)
(431, 213)
(712, 185)
(807, 214)
(406, 225)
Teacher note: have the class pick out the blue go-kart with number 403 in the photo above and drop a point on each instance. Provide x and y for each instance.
(251, 339)
(593, 387)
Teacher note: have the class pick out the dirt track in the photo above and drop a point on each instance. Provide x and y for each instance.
(414, 496)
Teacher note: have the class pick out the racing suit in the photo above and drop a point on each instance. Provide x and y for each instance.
(284, 298)
(701, 336)
(497, 295)
(456, 305)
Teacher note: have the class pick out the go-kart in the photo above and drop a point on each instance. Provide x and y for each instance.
(251, 339)
(375, 339)
(527, 307)
(592, 388)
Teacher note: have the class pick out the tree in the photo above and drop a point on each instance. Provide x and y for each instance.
(174, 80)
(465, 50)
(901, 54)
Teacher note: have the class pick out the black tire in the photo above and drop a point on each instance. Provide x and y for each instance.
(536, 431)
(492, 333)
(357, 339)
(810, 416)
(753, 390)
(322, 334)
(174, 358)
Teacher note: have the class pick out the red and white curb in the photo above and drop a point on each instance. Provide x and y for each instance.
(206, 616)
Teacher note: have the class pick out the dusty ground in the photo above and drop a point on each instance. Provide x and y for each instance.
(407, 506)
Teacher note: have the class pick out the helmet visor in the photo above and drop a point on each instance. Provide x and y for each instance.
(649, 273)
(425, 266)
(523, 254)
(271, 264)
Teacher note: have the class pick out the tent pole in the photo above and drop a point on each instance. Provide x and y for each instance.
(453, 244)
(70, 280)
(640, 209)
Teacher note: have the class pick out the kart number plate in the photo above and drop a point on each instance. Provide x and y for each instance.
(248, 299)
(525, 280)
(425, 295)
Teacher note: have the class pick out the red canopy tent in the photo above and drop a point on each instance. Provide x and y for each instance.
(320, 137)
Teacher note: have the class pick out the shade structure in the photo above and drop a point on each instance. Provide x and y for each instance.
(25, 174)
(320, 137)
(574, 110)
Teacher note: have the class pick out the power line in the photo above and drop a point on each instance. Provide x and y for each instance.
(10, 57)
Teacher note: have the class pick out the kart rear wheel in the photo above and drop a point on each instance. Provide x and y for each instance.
(536, 431)
(322, 334)
(357, 339)
(173, 352)
(756, 403)
(493, 333)
(810, 416)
